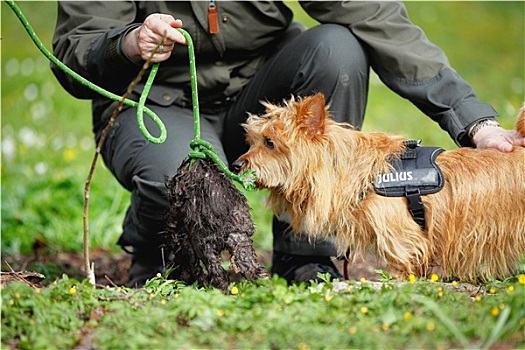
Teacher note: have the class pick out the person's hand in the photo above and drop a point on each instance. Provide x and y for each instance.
(499, 138)
(138, 44)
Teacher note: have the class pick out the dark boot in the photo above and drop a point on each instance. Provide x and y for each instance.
(313, 259)
(298, 268)
(145, 264)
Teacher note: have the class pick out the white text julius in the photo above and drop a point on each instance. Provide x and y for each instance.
(394, 177)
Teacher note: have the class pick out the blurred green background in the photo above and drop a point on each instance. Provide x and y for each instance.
(47, 145)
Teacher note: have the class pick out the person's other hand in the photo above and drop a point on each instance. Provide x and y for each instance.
(499, 138)
(139, 44)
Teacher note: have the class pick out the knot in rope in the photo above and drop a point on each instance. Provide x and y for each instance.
(202, 149)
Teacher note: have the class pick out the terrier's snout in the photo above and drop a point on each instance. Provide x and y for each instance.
(238, 165)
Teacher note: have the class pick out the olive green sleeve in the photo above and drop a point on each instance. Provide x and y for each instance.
(87, 39)
(407, 62)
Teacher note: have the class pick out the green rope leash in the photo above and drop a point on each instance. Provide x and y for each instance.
(141, 108)
(201, 148)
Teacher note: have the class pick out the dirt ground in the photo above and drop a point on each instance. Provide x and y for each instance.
(112, 269)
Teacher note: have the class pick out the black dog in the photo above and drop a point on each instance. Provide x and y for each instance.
(209, 215)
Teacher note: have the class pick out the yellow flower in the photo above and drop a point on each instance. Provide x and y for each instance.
(22, 149)
(431, 326)
(477, 297)
(159, 275)
(234, 290)
(327, 298)
(352, 330)
(407, 316)
(364, 310)
(303, 346)
(434, 278)
(220, 312)
(362, 280)
(494, 311)
(69, 154)
(72, 290)
(37, 290)
(454, 283)
(510, 289)
(385, 327)
(17, 296)
(412, 278)
(492, 291)
(521, 279)
(163, 301)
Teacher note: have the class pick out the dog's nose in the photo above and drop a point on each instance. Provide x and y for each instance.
(237, 166)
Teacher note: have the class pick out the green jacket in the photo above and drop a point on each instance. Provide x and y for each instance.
(88, 37)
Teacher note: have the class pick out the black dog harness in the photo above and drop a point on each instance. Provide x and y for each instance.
(415, 174)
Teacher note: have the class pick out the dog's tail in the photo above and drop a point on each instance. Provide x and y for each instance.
(520, 123)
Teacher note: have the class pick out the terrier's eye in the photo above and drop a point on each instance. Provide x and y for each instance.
(269, 143)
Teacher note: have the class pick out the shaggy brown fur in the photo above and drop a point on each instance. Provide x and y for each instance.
(208, 215)
(320, 173)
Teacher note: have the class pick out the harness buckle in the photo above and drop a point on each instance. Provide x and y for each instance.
(415, 205)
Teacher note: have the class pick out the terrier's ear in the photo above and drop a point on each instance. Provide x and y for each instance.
(311, 114)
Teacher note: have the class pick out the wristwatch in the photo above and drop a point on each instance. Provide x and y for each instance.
(481, 124)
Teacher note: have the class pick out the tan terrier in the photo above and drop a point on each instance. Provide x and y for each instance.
(323, 176)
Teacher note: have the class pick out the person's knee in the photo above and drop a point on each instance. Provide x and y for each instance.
(335, 52)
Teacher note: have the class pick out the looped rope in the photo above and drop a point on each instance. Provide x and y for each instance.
(141, 108)
(201, 148)
(87, 83)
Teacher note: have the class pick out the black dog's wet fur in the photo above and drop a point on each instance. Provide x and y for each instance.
(209, 215)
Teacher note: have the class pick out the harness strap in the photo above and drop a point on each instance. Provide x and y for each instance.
(413, 194)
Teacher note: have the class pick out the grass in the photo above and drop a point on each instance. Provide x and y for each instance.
(267, 314)
(47, 146)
